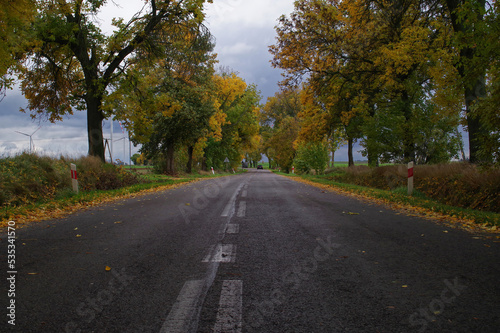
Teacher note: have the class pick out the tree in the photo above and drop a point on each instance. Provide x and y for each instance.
(240, 131)
(15, 18)
(169, 104)
(75, 62)
(283, 106)
(312, 156)
(282, 142)
(467, 19)
(135, 158)
(284, 103)
(366, 61)
(488, 107)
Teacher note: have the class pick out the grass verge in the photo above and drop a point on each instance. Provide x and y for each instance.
(415, 205)
(67, 202)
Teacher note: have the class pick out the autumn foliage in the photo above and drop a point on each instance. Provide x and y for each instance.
(397, 76)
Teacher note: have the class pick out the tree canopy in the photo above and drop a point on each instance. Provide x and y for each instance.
(74, 62)
(395, 74)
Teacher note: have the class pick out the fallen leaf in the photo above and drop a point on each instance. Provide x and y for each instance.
(76, 229)
(118, 222)
(32, 273)
(404, 286)
(188, 204)
(78, 235)
(108, 268)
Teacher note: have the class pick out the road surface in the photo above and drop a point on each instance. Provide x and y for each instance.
(255, 252)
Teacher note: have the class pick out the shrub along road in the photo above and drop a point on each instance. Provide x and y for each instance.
(255, 252)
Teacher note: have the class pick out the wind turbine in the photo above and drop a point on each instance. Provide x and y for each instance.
(31, 136)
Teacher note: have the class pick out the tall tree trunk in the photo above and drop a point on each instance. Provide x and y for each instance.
(189, 166)
(169, 167)
(476, 132)
(460, 143)
(408, 139)
(350, 143)
(204, 166)
(372, 159)
(474, 87)
(94, 126)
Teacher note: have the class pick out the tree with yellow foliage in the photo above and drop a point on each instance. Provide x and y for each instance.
(238, 133)
(364, 60)
(169, 105)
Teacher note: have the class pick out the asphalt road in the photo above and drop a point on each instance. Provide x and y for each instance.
(249, 253)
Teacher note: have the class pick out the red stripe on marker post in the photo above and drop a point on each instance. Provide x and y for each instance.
(74, 178)
(410, 178)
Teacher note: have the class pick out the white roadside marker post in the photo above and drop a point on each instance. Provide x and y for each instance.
(74, 178)
(213, 172)
(410, 178)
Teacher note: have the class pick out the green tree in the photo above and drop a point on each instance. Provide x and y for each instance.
(135, 158)
(75, 62)
(312, 156)
(168, 105)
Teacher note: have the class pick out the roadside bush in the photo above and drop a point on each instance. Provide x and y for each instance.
(95, 175)
(460, 184)
(456, 184)
(29, 178)
(311, 156)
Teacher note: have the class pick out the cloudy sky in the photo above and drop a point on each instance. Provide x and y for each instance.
(243, 31)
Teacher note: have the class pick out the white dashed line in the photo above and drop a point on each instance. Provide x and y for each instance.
(185, 309)
(233, 229)
(222, 253)
(229, 316)
(229, 209)
(242, 209)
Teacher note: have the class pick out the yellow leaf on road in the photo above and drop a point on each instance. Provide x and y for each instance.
(108, 268)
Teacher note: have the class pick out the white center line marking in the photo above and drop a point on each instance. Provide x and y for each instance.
(229, 316)
(185, 309)
(242, 209)
(222, 253)
(229, 209)
(233, 229)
